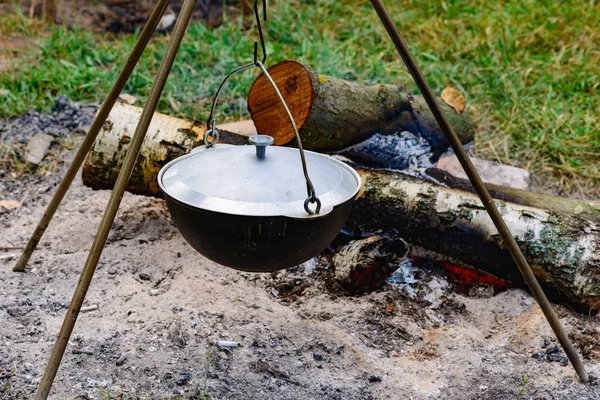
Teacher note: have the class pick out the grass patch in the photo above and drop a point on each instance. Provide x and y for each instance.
(529, 69)
(522, 391)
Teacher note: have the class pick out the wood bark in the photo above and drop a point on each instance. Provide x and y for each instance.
(589, 209)
(333, 113)
(167, 139)
(365, 264)
(563, 250)
(562, 244)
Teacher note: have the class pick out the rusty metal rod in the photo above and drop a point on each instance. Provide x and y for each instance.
(90, 138)
(115, 200)
(480, 188)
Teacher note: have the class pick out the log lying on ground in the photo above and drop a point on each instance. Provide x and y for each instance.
(332, 113)
(170, 137)
(564, 248)
(167, 139)
(561, 205)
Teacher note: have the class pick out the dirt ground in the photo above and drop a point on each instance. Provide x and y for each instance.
(119, 16)
(162, 308)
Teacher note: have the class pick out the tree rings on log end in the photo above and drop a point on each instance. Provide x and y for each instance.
(296, 87)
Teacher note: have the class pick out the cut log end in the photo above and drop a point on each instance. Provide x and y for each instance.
(332, 113)
(295, 85)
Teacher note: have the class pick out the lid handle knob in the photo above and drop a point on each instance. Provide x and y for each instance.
(261, 142)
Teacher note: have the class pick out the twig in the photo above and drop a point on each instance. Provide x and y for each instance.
(7, 257)
(89, 308)
(11, 248)
(81, 351)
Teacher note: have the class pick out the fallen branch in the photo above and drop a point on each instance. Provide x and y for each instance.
(560, 205)
(365, 264)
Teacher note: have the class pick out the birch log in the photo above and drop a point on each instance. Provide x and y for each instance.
(589, 209)
(563, 250)
(167, 139)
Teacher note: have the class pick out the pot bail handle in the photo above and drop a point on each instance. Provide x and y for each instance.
(212, 121)
(312, 196)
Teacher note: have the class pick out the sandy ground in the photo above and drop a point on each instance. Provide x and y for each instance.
(161, 307)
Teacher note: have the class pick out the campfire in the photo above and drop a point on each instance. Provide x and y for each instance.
(401, 211)
(405, 196)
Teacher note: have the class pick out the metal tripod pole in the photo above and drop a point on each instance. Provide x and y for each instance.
(90, 138)
(115, 200)
(480, 188)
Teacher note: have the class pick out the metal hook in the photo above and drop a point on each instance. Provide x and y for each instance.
(243, 67)
(260, 33)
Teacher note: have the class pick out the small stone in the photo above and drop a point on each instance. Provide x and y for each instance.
(538, 356)
(553, 350)
(9, 204)
(490, 172)
(564, 361)
(318, 357)
(166, 22)
(37, 148)
(145, 276)
(127, 98)
(374, 378)
(554, 357)
(544, 343)
(112, 271)
(183, 377)
(121, 360)
(226, 343)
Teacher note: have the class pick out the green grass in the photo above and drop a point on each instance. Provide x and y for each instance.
(522, 392)
(528, 69)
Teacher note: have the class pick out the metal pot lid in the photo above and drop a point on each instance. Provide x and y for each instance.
(236, 180)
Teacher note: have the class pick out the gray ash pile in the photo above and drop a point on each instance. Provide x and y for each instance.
(401, 151)
(65, 118)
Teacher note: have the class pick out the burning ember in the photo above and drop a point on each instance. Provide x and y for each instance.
(428, 280)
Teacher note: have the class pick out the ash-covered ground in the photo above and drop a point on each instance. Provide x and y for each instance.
(158, 311)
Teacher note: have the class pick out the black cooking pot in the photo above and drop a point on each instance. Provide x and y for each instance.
(245, 209)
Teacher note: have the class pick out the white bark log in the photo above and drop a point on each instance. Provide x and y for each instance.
(563, 250)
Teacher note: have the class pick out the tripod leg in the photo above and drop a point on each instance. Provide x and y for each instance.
(113, 203)
(87, 143)
(481, 189)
